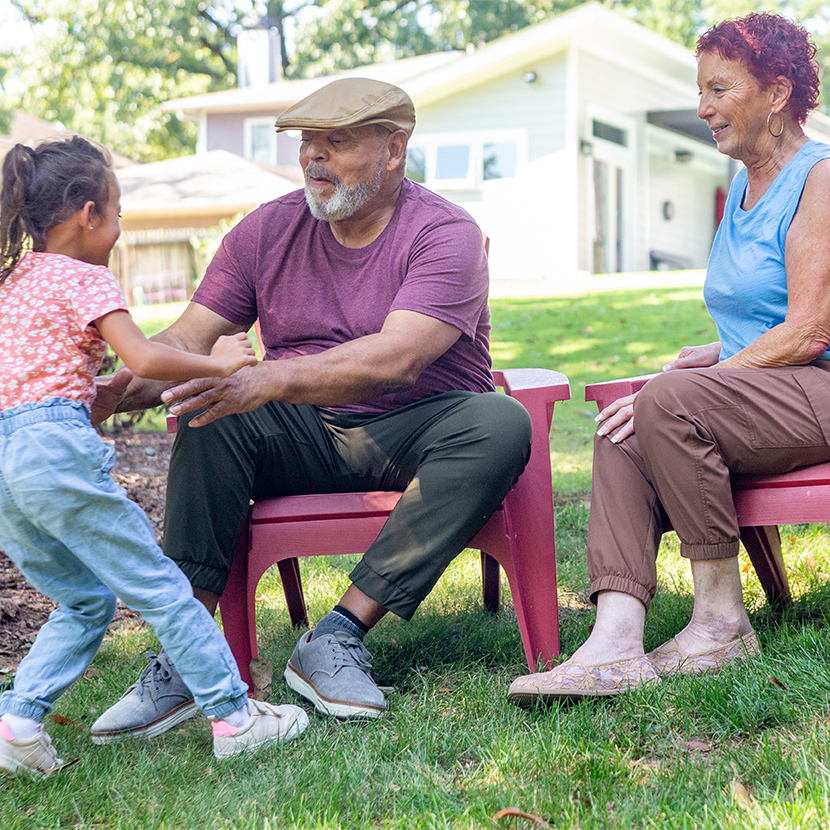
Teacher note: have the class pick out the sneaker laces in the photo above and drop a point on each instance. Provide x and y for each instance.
(352, 653)
(157, 672)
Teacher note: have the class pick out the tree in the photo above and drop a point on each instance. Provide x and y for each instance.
(103, 67)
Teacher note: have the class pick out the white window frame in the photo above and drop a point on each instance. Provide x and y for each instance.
(475, 140)
(248, 129)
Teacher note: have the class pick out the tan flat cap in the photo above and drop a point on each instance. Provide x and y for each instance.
(351, 102)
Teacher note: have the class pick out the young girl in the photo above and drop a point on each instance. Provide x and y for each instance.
(63, 521)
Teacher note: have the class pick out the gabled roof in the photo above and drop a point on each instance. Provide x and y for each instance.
(429, 78)
(203, 183)
(27, 129)
(281, 94)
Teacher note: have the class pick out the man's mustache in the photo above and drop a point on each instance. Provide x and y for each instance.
(319, 171)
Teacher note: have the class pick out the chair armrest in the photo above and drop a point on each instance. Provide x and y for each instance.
(536, 389)
(609, 391)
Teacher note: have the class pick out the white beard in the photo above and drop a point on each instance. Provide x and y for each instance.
(346, 200)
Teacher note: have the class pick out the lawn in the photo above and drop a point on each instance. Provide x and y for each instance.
(746, 749)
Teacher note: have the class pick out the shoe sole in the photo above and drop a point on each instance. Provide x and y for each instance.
(181, 713)
(294, 731)
(526, 699)
(13, 767)
(328, 706)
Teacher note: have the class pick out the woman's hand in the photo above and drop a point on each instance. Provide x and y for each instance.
(617, 419)
(695, 357)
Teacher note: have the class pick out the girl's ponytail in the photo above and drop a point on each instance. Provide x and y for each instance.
(43, 187)
(18, 172)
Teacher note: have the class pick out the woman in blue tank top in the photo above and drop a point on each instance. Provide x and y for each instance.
(756, 401)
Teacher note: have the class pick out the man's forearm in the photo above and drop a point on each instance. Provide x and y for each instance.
(143, 393)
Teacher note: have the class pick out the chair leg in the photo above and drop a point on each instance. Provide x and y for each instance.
(235, 610)
(763, 544)
(292, 586)
(490, 583)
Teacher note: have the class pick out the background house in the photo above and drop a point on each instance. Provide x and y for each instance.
(173, 213)
(574, 143)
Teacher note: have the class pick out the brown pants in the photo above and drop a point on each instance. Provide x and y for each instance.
(693, 428)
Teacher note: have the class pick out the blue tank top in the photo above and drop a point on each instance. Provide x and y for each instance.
(746, 279)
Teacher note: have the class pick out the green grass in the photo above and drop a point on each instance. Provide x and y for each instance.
(740, 750)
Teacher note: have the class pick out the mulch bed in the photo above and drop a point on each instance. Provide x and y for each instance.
(141, 468)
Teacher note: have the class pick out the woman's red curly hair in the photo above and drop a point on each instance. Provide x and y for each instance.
(769, 46)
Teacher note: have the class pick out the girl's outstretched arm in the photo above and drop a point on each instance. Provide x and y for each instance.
(150, 359)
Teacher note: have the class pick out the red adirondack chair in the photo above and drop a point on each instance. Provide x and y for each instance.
(519, 537)
(762, 502)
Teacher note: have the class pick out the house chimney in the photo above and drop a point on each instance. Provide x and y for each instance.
(258, 47)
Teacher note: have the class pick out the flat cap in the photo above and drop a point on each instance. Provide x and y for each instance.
(351, 102)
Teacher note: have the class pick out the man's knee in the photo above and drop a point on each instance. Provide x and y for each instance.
(506, 432)
(505, 420)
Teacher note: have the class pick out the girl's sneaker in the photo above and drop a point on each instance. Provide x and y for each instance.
(269, 724)
(37, 756)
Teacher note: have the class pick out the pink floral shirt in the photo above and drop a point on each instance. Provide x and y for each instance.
(49, 346)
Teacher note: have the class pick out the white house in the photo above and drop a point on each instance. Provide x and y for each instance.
(574, 143)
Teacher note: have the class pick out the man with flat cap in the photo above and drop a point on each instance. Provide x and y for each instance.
(371, 293)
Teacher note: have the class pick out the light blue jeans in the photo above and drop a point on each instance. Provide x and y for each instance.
(79, 540)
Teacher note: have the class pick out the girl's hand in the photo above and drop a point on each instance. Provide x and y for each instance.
(233, 352)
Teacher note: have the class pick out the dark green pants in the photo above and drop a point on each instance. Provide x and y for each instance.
(454, 457)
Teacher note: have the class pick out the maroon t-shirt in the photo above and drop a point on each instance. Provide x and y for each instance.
(285, 267)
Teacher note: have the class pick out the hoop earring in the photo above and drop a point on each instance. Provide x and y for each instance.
(769, 129)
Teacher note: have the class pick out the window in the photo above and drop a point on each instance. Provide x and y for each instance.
(610, 133)
(466, 161)
(452, 162)
(260, 140)
(416, 164)
(261, 143)
(499, 161)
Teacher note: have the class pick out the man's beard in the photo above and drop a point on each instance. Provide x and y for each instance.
(346, 200)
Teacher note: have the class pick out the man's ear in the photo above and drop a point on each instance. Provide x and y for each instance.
(396, 145)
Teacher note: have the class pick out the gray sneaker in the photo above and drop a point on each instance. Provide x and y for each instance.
(155, 703)
(333, 673)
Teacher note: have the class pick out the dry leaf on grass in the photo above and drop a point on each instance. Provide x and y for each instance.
(697, 746)
(60, 720)
(262, 673)
(776, 682)
(741, 796)
(517, 813)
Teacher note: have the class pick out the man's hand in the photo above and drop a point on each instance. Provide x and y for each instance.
(110, 393)
(237, 393)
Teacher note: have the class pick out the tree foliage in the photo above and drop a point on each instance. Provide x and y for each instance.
(102, 67)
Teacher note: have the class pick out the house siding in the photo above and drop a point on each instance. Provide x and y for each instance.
(618, 88)
(225, 132)
(524, 214)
